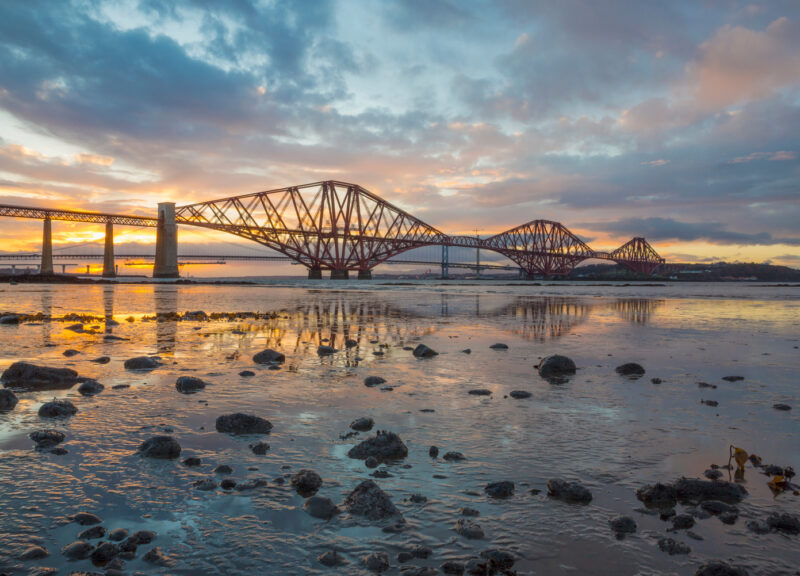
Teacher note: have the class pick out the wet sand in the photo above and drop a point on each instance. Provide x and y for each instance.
(608, 432)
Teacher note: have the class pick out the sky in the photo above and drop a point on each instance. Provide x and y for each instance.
(678, 121)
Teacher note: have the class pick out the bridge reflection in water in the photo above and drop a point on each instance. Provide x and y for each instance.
(368, 321)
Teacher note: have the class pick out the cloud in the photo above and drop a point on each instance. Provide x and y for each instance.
(666, 229)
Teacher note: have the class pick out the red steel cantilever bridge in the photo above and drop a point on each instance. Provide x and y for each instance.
(342, 227)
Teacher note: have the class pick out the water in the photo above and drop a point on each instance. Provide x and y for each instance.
(610, 433)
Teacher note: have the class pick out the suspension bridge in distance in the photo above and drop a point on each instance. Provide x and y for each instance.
(341, 228)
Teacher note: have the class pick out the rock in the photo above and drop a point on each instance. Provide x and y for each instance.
(404, 557)
(92, 533)
(223, 469)
(70, 352)
(422, 351)
(90, 388)
(469, 529)
(306, 482)
(367, 499)
(782, 407)
(86, 519)
(706, 385)
(143, 536)
(717, 568)
(269, 357)
(142, 363)
(246, 373)
(205, 484)
(192, 461)
(556, 366)
(712, 474)
(78, 550)
(362, 424)
(34, 553)
(320, 507)
(118, 535)
(499, 346)
(433, 451)
(31, 376)
(251, 484)
(57, 409)
(498, 559)
(673, 547)
(466, 511)
(161, 447)
(259, 448)
(331, 558)
(371, 462)
(757, 526)
(104, 553)
(658, 495)
(520, 394)
(101, 360)
(733, 378)
(323, 350)
(452, 567)
(689, 489)
(466, 351)
(480, 392)
(418, 499)
(715, 507)
(630, 369)
(622, 525)
(656, 380)
(371, 381)
(350, 343)
(712, 403)
(503, 489)
(189, 385)
(571, 492)
(45, 439)
(8, 400)
(453, 457)
(10, 319)
(682, 522)
(376, 562)
(784, 522)
(228, 484)
(242, 424)
(155, 556)
(383, 447)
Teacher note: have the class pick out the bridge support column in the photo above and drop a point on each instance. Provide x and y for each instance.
(340, 275)
(46, 269)
(365, 274)
(315, 274)
(108, 253)
(166, 264)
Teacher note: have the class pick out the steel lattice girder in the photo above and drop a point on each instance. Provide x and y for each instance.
(75, 216)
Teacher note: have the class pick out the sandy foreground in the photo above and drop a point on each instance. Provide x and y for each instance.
(608, 433)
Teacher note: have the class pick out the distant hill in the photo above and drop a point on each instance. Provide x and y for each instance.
(716, 272)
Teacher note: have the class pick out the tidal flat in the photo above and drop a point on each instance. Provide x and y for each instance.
(720, 368)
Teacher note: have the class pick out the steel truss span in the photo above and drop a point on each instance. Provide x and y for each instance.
(340, 227)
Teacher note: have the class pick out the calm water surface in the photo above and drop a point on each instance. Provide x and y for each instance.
(610, 433)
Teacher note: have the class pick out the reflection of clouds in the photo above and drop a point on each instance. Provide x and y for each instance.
(637, 310)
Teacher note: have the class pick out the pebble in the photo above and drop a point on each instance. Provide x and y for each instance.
(85, 519)
(205, 484)
(239, 423)
(192, 461)
(422, 351)
(306, 482)
(363, 424)
(118, 535)
(320, 507)
(383, 446)
(57, 409)
(189, 385)
(142, 363)
(246, 373)
(8, 400)
(376, 562)
(104, 553)
(480, 392)
(453, 457)
(34, 553)
(223, 469)
(716, 568)
(571, 492)
(367, 499)
(433, 451)
(101, 360)
(782, 407)
(673, 547)
(331, 558)
(90, 388)
(499, 346)
(46, 438)
(631, 369)
(160, 447)
(92, 533)
(469, 529)
(259, 448)
(77, 550)
(622, 525)
(503, 489)
(556, 366)
(324, 350)
(269, 357)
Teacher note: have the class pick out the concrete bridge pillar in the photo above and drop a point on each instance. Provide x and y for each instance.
(365, 274)
(166, 264)
(46, 269)
(314, 274)
(340, 274)
(108, 253)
